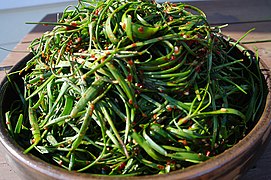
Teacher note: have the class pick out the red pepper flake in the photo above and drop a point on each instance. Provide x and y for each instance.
(7, 122)
(208, 153)
(43, 55)
(107, 53)
(134, 45)
(139, 85)
(41, 78)
(184, 142)
(169, 108)
(176, 49)
(78, 40)
(131, 62)
(68, 49)
(141, 29)
(185, 36)
(72, 26)
(123, 25)
(155, 116)
(170, 18)
(97, 11)
(92, 106)
(130, 78)
(122, 166)
(173, 57)
(61, 145)
(160, 166)
(103, 59)
(171, 163)
(60, 163)
(130, 101)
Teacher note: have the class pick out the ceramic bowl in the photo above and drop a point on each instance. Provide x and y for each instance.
(231, 164)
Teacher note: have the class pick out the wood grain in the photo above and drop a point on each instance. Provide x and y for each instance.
(6, 172)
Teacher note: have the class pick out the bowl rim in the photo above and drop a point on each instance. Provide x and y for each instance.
(254, 138)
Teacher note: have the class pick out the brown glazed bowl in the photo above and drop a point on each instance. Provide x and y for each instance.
(231, 164)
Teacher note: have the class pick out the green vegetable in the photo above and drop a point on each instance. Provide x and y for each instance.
(129, 87)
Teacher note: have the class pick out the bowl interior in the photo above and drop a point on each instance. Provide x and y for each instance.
(228, 164)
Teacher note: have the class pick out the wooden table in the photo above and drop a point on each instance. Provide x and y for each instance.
(241, 15)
